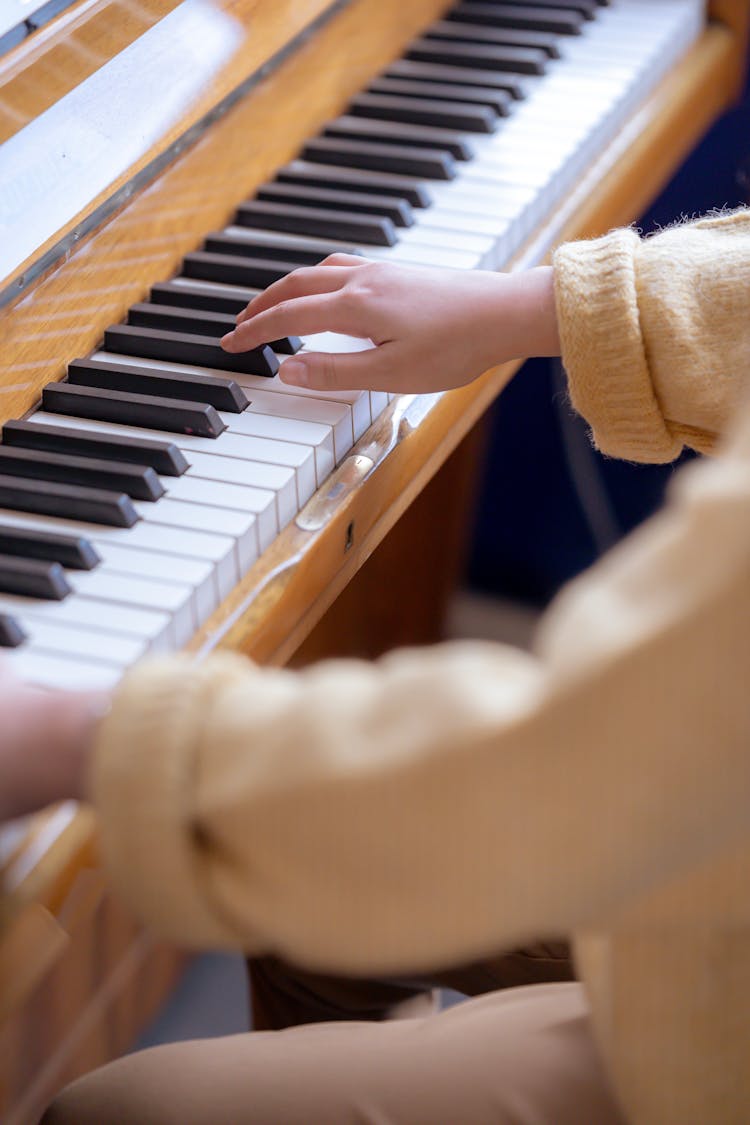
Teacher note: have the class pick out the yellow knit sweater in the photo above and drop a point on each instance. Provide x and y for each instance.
(440, 805)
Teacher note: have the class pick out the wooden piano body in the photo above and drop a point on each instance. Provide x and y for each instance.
(78, 977)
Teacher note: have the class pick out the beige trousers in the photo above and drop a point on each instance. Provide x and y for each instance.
(524, 1056)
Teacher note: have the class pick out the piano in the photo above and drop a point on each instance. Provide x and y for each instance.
(159, 163)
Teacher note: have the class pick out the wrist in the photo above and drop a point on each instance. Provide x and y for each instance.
(524, 316)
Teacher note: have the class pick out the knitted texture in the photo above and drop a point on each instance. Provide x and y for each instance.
(656, 334)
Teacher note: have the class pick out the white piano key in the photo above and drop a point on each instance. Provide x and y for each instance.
(111, 648)
(274, 478)
(337, 415)
(379, 401)
(196, 573)
(317, 437)
(301, 458)
(50, 670)
(145, 593)
(241, 526)
(150, 626)
(415, 254)
(223, 495)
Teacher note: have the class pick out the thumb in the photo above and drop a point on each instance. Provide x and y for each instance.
(323, 371)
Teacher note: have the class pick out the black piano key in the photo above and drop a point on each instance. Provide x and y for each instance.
(456, 29)
(498, 100)
(185, 294)
(164, 457)
(195, 297)
(72, 551)
(513, 60)
(391, 133)
(11, 633)
(181, 347)
(317, 222)
(399, 211)
(428, 164)
(33, 579)
(223, 394)
(133, 410)
(423, 111)
(246, 245)
(414, 70)
(353, 179)
(68, 501)
(138, 481)
(203, 322)
(237, 269)
(586, 8)
(562, 21)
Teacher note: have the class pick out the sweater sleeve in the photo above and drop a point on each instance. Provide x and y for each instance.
(445, 803)
(655, 334)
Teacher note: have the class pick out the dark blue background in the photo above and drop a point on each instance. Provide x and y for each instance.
(549, 503)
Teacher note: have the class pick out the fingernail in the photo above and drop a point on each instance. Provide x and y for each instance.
(292, 371)
(227, 341)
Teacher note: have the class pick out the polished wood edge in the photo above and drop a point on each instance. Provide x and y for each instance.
(735, 15)
(271, 33)
(298, 558)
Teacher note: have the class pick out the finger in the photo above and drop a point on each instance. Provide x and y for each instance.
(343, 260)
(343, 371)
(323, 312)
(299, 283)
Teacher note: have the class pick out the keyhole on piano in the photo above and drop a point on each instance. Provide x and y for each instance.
(349, 537)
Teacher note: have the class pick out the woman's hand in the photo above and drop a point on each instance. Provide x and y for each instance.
(432, 329)
(45, 743)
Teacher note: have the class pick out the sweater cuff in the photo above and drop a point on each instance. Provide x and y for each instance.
(142, 782)
(603, 349)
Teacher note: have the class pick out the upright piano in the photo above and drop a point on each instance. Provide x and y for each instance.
(161, 161)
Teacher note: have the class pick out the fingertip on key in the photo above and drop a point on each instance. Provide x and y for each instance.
(293, 371)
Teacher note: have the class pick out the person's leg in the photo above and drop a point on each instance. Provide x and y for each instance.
(521, 1057)
(281, 995)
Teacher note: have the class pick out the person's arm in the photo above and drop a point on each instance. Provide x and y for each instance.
(45, 742)
(655, 333)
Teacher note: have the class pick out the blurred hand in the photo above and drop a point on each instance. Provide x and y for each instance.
(45, 742)
(432, 329)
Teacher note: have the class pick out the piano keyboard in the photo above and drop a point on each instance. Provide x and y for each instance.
(147, 484)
